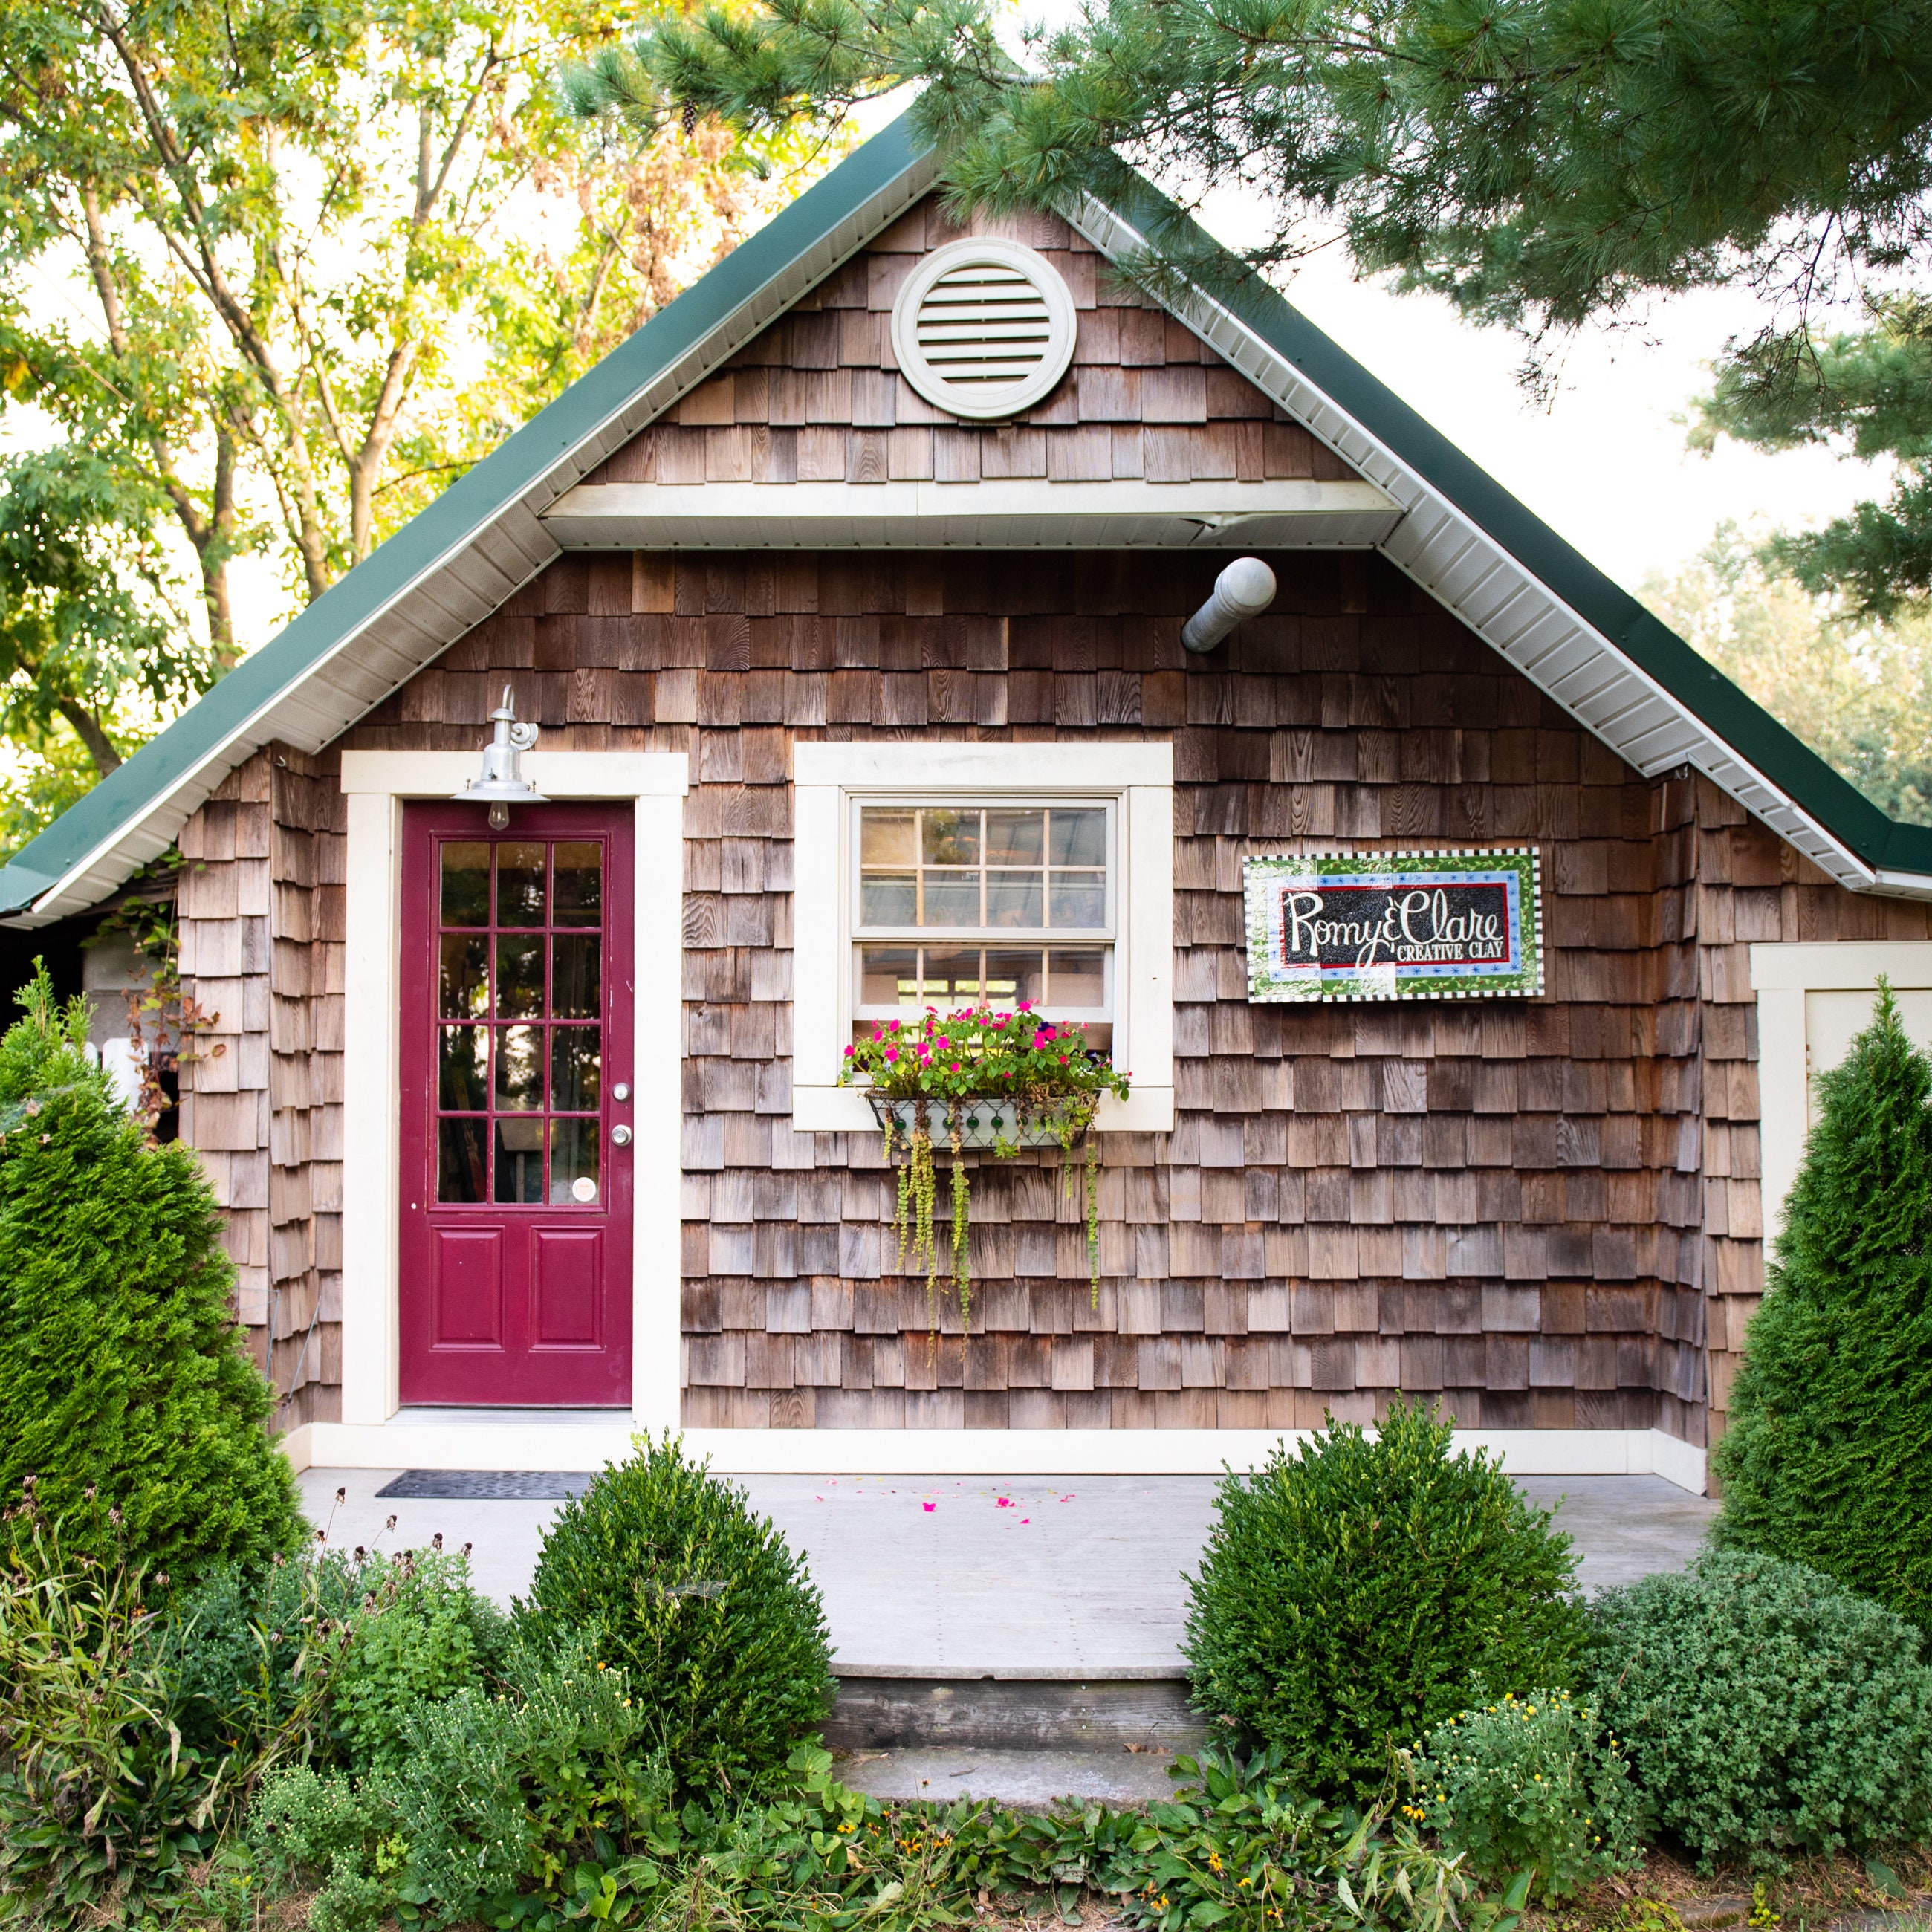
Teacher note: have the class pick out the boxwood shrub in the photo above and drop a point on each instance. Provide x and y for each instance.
(1348, 1597)
(1765, 1709)
(667, 1572)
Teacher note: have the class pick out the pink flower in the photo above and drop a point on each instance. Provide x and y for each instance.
(892, 1053)
(1024, 1006)
(942, 1041)
(848, 1053)
(928, 1508)
(956, 1067)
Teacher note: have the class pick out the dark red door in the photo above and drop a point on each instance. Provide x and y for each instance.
(515, 1280)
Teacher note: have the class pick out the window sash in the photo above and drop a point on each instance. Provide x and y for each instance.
(986, 933)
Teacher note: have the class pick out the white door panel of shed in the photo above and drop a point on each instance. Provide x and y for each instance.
(1813, 999)
(1833, 1020)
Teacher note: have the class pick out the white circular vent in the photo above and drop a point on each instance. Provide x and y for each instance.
(983, 328)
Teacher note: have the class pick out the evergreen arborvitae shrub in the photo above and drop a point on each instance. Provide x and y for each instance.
(122, 1369)
(1766, 1710)
(715, 1622)
(1827, 1460)
(1348, 1598)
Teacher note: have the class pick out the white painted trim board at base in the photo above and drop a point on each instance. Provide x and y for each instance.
(415, 1440)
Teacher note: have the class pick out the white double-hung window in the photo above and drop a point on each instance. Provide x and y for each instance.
(953, 874)
(962, 902)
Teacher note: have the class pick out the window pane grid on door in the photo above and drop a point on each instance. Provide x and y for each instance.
(520, 1009)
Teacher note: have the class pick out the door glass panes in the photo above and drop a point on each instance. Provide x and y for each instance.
(519, 1083)
(976, 868)
(466, 884)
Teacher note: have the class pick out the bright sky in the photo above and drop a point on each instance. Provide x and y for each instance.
(1605, 462)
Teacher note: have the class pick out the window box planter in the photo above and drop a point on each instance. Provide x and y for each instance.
(997, 1122)
(989, 1082)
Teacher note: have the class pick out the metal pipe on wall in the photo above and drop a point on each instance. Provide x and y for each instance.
(1245, 589)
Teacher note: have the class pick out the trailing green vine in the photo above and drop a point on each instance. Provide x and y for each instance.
(1001, 1080)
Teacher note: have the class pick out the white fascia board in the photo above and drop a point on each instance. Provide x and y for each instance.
(1019, 512)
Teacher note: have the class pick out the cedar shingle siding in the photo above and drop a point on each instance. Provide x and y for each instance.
(1546, 1211)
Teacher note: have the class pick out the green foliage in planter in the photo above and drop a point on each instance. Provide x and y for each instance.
(667, 1572)
(1765, 1709)
(1827, 1457)
(1347, 1597)
(1532, 1783)
(122, 1371)
(1041, 1073)
(113, 1782)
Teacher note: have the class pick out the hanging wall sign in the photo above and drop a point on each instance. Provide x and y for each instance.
(1395, 925)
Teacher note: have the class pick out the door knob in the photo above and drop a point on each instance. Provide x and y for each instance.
(621, 1136)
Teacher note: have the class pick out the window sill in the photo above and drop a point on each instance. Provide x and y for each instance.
(845, 1110)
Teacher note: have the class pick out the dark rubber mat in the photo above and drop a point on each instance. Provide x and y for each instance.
(488, 1486)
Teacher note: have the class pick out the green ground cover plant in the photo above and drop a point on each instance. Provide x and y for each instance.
(1233, 1847)
(1827, 1458)
(1347, 1597)
(1532, 1783)
(666, 1572)
(120, 1769)
(417, 1635)
(1766, 1710)
(123, 1382)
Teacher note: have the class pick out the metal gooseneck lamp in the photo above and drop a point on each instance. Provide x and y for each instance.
(502, 784)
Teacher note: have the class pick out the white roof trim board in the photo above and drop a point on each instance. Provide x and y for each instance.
(1018, 514)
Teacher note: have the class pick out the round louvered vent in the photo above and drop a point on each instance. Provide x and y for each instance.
(983, 328)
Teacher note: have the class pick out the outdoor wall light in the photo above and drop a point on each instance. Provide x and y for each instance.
(502, 784)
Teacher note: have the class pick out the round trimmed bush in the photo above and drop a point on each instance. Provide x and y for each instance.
(1765, 1709)
(667, 1572)
(1347, 1597)
(1827, 1457)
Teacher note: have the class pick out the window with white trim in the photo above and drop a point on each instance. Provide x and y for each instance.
(959, 902)
(959, 916)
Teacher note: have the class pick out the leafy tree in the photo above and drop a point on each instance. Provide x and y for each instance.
(335, 253)
(124, 1392)
(86, 617)
(1827, 1460)
(1859, 692)
(1542, 163)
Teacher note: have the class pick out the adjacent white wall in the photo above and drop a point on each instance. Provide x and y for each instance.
(1813, 1000)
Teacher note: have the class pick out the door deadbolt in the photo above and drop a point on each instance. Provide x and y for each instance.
(621, 1136)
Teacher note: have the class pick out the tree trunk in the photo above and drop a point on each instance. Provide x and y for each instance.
(87, 728)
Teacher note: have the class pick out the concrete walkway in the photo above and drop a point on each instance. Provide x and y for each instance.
(944, 1576)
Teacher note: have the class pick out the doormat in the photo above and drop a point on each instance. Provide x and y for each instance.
(488, 1486)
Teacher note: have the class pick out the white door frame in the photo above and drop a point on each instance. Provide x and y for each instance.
(375, 1432)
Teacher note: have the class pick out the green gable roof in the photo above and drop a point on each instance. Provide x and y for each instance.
(133, 814)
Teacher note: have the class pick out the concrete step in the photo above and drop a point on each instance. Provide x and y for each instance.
(880, 1711)
(1024, 1781)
